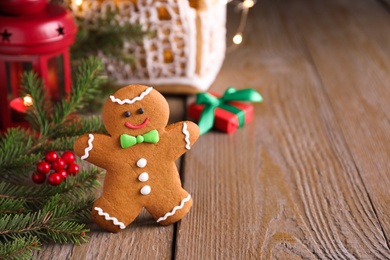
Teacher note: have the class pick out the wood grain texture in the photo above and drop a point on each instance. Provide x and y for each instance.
(286, 186)
(309, 178)
(357, 85)
(142, 239)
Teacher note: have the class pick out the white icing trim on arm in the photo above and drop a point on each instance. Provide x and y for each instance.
(107, 217)
(89, 148)
(187, 136)
(171, 213)
(131, 101)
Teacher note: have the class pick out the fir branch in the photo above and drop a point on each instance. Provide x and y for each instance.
(84, 125)
(15, 153)
(14, 191)
(67, 231)
(19, 247)
(84, 181)
(13, 143)
(8, 205)
(64, 143)
(52, 223)
(20, 223)
(85, 88)
(107, 35)
(39, 113)
(44, 212)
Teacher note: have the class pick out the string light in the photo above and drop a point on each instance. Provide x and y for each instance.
(244, 7)
(248, 3)
(80, 2)
(237, 39)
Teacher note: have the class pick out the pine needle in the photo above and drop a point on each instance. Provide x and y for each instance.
(34, 214)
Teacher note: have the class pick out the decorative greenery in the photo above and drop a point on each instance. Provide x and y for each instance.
(107, 35)
(33, 214)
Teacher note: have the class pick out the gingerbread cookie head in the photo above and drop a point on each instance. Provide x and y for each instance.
(134, 110)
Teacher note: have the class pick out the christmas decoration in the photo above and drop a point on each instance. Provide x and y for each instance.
(106, 36)
(51, 156)
(39, 178)
(43, 167)
(38, 41)
(225, 113)
(244, 7)
(186, 47)
(60, 166)
(72, 169)
(34, 214)
(68, 157)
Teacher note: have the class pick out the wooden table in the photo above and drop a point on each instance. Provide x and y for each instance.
(310, 177)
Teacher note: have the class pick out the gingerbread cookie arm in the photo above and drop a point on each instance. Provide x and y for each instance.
(181, 137)
(90, 147)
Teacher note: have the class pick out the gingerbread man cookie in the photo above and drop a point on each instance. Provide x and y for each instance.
(139, 156)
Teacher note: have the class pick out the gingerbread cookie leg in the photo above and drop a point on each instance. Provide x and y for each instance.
(108, 217)
(170, 213)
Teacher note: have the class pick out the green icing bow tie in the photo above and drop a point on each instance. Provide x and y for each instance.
(129, 140)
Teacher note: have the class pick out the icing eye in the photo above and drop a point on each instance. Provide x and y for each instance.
(140, 111)
(127, 114)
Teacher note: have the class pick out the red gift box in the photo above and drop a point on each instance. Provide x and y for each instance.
(224, 120)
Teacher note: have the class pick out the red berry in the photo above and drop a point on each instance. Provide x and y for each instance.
(54, 179)
(43, 167)
(73, 169)
(58, 165)
(38, 178)
(63, 173)
(68, 157)
(51, 156)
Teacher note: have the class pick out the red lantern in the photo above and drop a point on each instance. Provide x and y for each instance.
(34, 35)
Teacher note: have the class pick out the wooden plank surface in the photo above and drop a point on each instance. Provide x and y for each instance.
(357, 85)
(309, 178)
(295, 183)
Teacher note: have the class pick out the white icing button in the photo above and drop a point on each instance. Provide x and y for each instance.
(143, 177)
(145, 190)
(141, 163)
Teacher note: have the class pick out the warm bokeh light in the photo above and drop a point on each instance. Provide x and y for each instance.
(248, 3)
(78, 2)
(28, 101)
(237, 39)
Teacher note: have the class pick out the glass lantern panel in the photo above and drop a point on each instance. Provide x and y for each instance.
(14, 71)
(55, 77)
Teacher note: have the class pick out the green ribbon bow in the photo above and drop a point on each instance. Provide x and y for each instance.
(206, 120)
(129, 140)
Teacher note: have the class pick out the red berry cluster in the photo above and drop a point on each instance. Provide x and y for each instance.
(61, 166)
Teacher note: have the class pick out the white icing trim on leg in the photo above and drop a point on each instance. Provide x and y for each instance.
(187, 136)
(171, 213)
(107, 217)
(89, 148)
(131, 101)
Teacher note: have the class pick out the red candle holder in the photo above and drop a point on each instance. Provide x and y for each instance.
(19, 107)
(34, 35)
